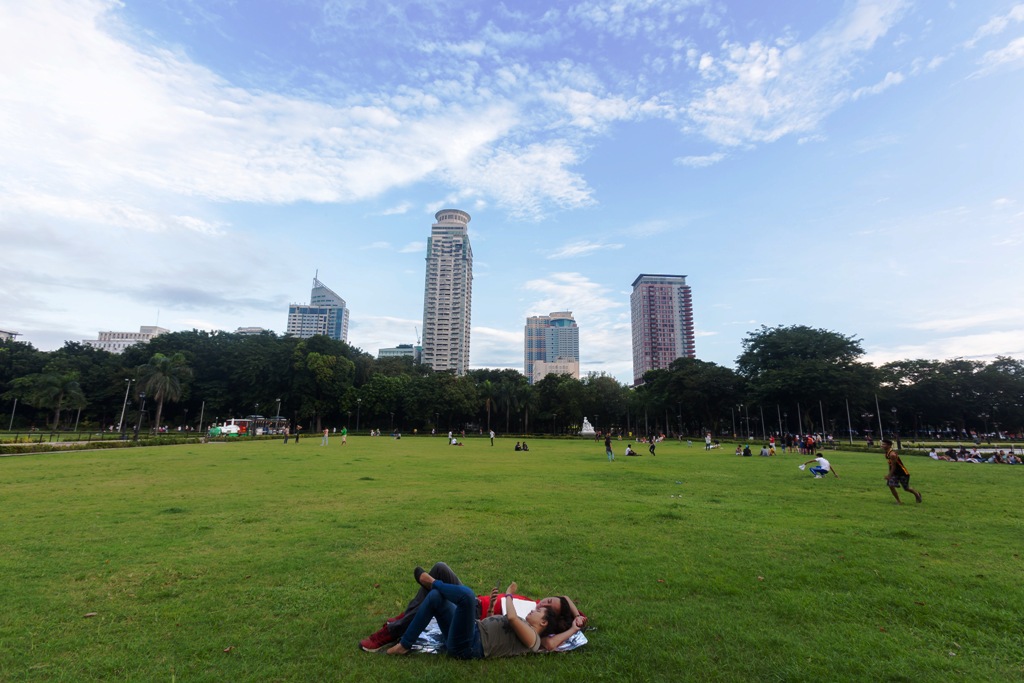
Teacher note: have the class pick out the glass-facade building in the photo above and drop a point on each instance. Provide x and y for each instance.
(325, 314)
(551, 344)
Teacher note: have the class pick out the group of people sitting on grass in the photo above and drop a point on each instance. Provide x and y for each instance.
(522, 446)
(476, 627)
(1000, 457)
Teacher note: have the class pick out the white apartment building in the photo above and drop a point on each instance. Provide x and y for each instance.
(117, 342)
(448, 293)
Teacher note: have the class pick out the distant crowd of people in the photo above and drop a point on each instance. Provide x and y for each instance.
(998, 457)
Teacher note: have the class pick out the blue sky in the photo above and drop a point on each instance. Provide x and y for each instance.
(852, 165)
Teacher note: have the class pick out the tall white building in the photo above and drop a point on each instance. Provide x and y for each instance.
(116, 342)
(448, 293)
(325, 314)
(552, 345)
(662, 313)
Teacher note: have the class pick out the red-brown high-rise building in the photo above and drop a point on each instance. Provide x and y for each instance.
(662, 314)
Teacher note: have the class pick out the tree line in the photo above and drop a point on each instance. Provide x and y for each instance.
(793, 379)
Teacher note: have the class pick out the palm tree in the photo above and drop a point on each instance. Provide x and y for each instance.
(490, 392)
(50, 390)
(161, 378)
(526, 399)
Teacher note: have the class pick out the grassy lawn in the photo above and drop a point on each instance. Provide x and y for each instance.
(268, 562)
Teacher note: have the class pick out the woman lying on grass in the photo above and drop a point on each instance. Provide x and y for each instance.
(455, 608)
(395, 627)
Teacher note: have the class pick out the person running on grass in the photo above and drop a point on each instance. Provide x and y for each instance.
(898, 474)
(467, 637)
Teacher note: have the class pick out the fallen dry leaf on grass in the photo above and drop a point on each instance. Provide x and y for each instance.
(90, 614)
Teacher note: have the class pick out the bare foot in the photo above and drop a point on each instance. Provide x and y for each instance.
(398, 649)
(918, 497)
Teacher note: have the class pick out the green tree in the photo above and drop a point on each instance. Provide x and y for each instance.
(804, 365)
(162, 379)
(703, 392)
(50, 390)
(321, 379)
(603, 396)
(560, 399)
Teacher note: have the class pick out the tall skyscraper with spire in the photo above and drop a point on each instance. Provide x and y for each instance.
(448, 293)
(325, 314)
(662, 313)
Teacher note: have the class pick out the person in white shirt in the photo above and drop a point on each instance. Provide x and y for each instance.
(822, 468)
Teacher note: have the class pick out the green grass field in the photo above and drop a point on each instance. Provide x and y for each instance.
(268, 562)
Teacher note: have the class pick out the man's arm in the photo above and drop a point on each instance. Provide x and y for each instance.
(834, 470)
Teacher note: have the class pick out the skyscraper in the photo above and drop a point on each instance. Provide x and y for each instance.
(662, 314)
(325, 314)
(448, 293)
(552, 345)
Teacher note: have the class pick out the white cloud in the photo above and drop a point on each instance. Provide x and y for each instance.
(581, 248)
(398, 210)
(701, 161)
(648, 228)
(997, 25)
(890, 80)
(1010, 56)
(414, 247)
(763, 91)
(967, 322)
(984, 346)
(373, 332)
(89, 116)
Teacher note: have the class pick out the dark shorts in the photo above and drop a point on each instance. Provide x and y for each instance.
(899, 480)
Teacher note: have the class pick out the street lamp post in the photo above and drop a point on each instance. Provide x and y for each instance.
(11, 425)
(127, 388)
(142, 396)
(359, 405)
(392, 422)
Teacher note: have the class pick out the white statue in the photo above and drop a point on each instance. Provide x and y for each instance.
(588, 429)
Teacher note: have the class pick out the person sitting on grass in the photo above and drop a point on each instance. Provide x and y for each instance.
(525, 447)
(488, 605)
(629, 449)
(519, 446)
(467, 637)
(822, 468)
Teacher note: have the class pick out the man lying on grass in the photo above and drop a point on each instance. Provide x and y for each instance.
(563, 620)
